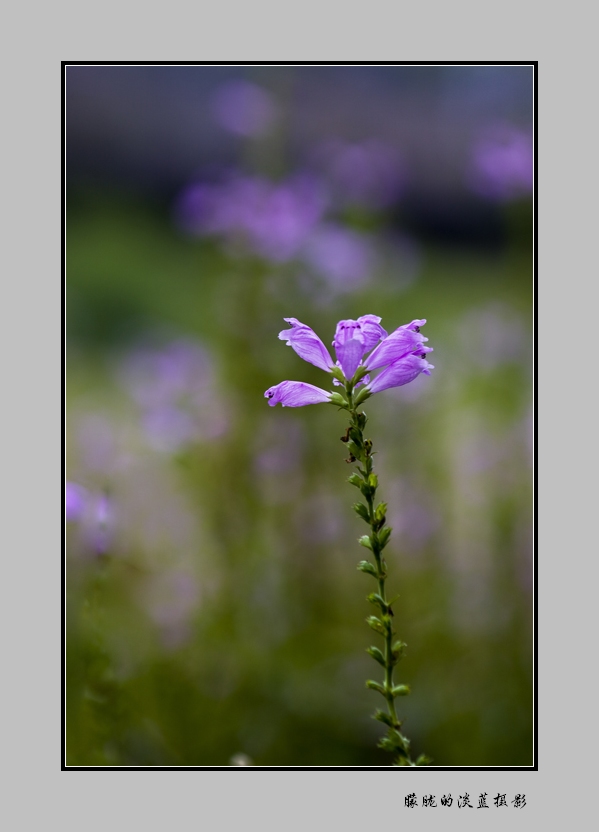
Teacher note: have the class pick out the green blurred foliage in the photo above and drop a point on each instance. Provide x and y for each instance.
(227, 615)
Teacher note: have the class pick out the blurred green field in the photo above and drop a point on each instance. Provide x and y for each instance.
(225, 615)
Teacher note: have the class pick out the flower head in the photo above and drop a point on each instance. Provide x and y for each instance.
(360, 345)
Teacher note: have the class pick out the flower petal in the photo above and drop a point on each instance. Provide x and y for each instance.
(350, 354)
(403, 341)
(353, 339)
(296, 394)
(306, 344)
(401, 372)
(372, 330)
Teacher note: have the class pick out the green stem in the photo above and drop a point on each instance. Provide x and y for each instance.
(361, 452)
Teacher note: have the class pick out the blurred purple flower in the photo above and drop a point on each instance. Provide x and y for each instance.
(344, 258)
(403, 353)
(94, 514)
(76, 497)
(371, 174)
(175, 389)
(99, 524)
(273, 219)
(502, 164)
(244, 108)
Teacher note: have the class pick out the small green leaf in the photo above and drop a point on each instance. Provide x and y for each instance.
(382, 716)
(381, 510)
(377, 655)
(423, 760)
(365, 541)
(355, 450)
(366, 489)
(384, 536)
(356, 480)
(366, 566)
(396, 742)
(356, 436)
(380, 515)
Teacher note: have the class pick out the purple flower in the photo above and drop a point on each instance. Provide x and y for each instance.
(401, 372)
(502, 164)
(402, 354)
(296, 394)
(307, 344)
(405, 340)
(344, 258)
(175, 389)
(371, 173)
(94, 515)
(353, 339)
(273, 220)
(243, 108)
(75, 501)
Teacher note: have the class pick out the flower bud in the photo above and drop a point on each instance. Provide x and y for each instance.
(366, 566)
(376, 624)
(376, 686)
(362, 396)
(383, 537)
(362, 511)
(375, 598)
(377, 655)
(338, 400)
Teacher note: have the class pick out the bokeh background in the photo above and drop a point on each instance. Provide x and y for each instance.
(215, 615)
